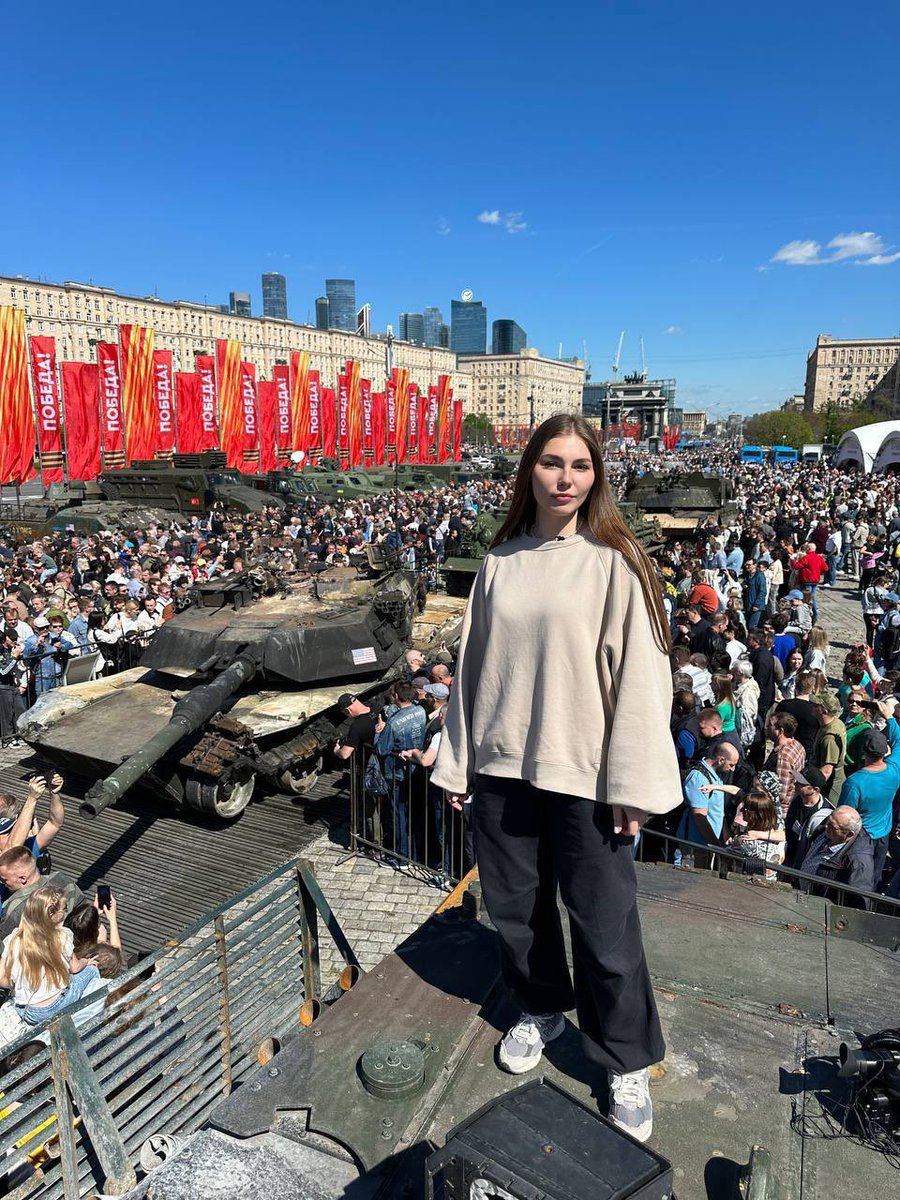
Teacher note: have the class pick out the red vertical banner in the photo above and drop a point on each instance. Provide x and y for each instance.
(249, 420)
(378, 428)
(328, 422)
(401, 408)
(138, 403)
(231, 413)
(354, 413)
(188, 413)
(444, 418)
(112, 425)
(299, 375)
(266, 405)
(423, 428)
(284, 442)
(368, 428)
(390, 422)
(16, 415)
(208, 396)
(343, 427)
(164, 402)
(48, 408)
(314, 440)
(412, 452)
(457, 429)
(431, 422)
(80, 393)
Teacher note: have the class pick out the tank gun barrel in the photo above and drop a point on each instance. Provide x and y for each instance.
(189, 714)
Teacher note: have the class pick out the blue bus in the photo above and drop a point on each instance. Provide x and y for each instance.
(783, 454)
(752, 454)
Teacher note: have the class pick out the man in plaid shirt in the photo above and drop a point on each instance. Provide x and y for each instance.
(787, 755)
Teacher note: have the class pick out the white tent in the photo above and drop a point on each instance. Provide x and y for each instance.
(861, 447)
(888, 456)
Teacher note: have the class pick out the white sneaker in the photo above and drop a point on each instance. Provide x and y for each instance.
(522, 1047)
(630, 1106)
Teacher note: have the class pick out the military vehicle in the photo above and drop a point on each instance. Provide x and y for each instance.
(679, 501)
(240, 688)
(459, 570)
(78, 506)
(190, 483)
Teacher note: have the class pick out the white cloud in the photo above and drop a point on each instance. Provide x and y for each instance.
(865, 249)
(443, 226)
(673, 331)
(512, 221)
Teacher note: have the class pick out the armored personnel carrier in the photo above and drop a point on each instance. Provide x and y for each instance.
(240, 688)
(78, 506)
(190, 483)
(680, 501)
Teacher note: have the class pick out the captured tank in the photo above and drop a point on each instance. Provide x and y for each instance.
(78, 506)
(680, 501)
(190, 483)
(239, 691)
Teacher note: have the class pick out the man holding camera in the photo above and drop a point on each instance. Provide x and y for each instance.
(46, 653)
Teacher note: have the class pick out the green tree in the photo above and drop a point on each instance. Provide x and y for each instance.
(778, 429)
(478, 430)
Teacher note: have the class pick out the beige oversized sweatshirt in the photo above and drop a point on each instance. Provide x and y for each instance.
(559, 680)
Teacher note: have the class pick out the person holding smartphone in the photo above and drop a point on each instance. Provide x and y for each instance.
(23, 829)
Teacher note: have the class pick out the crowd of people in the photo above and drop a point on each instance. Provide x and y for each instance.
(781, 764)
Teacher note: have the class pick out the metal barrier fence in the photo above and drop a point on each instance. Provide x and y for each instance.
(410, 822)
(724, 862)
(174, 1035)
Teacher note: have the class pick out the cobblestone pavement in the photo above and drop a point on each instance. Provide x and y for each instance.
(377, 905)
(840, 612)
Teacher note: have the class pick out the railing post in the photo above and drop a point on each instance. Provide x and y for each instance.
(309, 936)
(224, 1003)
(71, 1069)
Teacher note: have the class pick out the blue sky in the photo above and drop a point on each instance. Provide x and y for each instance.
(718, 179)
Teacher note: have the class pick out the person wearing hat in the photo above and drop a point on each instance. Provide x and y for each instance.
(830, 744)
(46, 653)
(887, 639)
(872, 788)
(362, 726)
(807, 812)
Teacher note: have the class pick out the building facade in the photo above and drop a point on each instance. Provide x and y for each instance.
(693, 423)
(502, 386)
(341, 295)
(847, 371)
(79, 316)
(274, 294)
(239, 304)
(468, 326)
(412, 328)
(434, 322)
(507, 337)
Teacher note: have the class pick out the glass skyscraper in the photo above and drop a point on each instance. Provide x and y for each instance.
(239, 304)
(412, 328)
(274, 292)
(323, 313)
(341, 295)
(507, 338)
(468, 326)
(433, 321)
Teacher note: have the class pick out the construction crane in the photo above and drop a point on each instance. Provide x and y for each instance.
(615, 366)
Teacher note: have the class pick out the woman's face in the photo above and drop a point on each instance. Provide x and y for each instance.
(795, 660)
(563, 475)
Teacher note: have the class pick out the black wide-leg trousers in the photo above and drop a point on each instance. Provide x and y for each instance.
(528, 842)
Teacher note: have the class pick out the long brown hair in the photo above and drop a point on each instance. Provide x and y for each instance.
(599, 511)
(37, 940)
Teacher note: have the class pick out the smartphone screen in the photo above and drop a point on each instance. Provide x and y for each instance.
(104, 895)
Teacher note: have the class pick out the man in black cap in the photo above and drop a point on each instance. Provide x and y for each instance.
(806, 813)
(872, 788)
(362, 726)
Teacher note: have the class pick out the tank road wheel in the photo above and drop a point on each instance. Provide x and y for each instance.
(226, 800)
(301, 778)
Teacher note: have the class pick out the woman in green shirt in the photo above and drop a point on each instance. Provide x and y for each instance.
(725, 705)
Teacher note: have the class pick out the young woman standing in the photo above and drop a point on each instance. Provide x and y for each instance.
(559, 721)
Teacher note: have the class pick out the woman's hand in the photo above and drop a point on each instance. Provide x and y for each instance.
(456, 800)
(628, 821)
